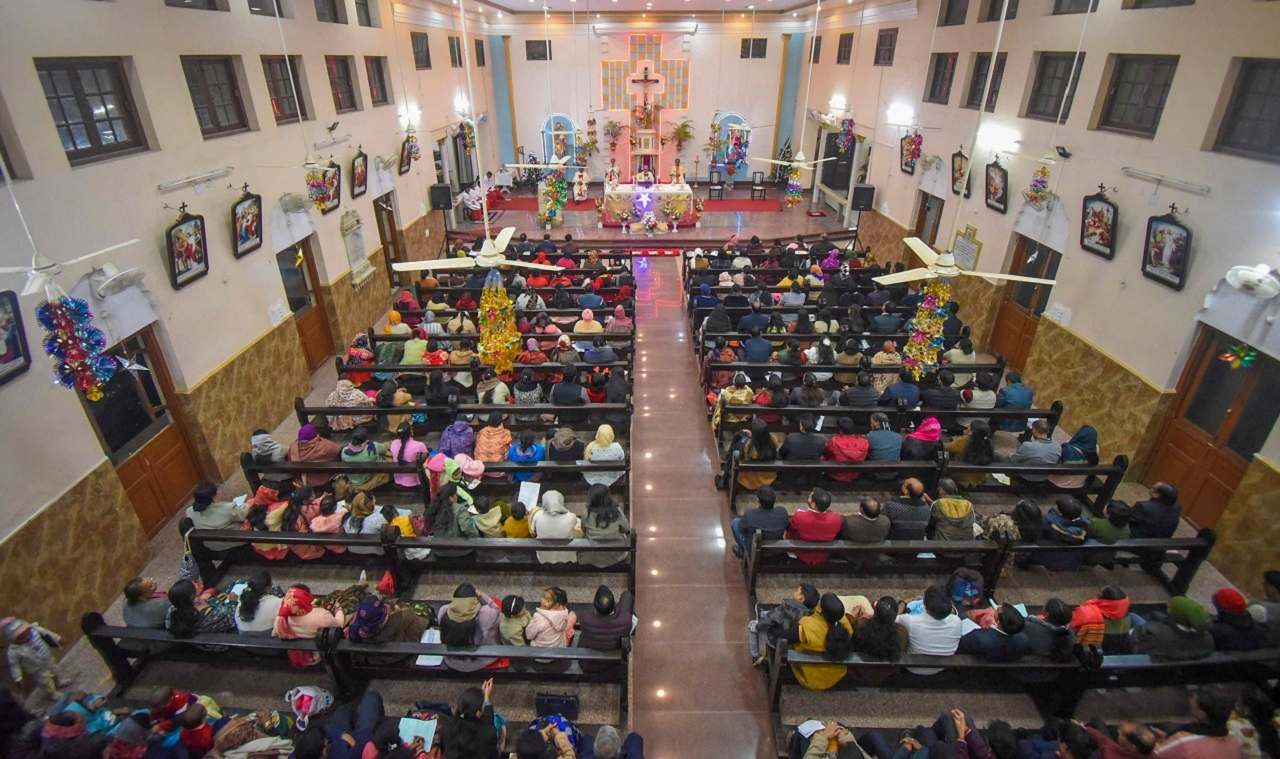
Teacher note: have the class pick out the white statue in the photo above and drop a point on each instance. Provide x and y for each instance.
(580, 185)
(611, 174)
(677, 173)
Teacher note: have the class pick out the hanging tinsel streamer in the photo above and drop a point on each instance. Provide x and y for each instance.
(845, 139)
(1038, 192)
(75, 346)
(499, 338)
(1238, 355)
(316, 189)
(794, 189)
(415, 151)
(555, 195)
(926, 329)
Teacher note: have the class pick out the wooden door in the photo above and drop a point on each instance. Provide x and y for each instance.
(384, 213)
(298, 273)
(147, 444)
(1019, 314)
(1221, 416)
(928, 217)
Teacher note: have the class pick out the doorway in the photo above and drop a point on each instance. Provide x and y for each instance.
(928, 217)
(298, 273)
(1220, 417)
(1024, 302)
(466, 173)
(144, 441)
(384, 213)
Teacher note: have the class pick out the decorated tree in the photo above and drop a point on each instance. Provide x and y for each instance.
(926, 329)
(794, 188)
(499, 338)
(75, 346)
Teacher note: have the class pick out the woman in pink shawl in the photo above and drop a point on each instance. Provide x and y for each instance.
(619, 323)
(924, 443)
(406, 302)
(299, 619)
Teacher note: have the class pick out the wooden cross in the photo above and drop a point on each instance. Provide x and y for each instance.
(182, 209)
(645, 81)
(245, 187)
(1173, 209)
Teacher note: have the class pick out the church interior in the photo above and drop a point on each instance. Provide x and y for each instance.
(611, 376)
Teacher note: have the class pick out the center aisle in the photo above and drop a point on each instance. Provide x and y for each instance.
(695, 692)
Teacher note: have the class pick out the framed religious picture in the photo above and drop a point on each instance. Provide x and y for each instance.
(959, 166)
(246, 224)
(1166, 251)
(332, 188)
(15, 356)
(907, 155)
(1098, 225)
(187, 250)
(997, 192)
(406, 156)
(359, 174)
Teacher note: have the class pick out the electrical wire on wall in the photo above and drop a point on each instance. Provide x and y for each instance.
(293, 87)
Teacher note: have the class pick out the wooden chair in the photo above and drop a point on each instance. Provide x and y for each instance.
(759, 191)
(715, 186)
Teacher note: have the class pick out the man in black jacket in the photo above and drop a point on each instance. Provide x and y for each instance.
(940, 394)
(805, 445)
(1157, 517)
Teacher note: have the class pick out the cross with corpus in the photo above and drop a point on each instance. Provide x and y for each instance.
(645, 81)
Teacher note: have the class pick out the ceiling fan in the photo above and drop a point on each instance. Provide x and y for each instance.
(492, 254)
(556, 164)
(42, 272)
(798, 162)
(943, 266)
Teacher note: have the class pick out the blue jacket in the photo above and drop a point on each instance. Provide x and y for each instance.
(756, 349)
(906, 390)
(1014, 396)
(753, 321)
(993, 645)
(590, 300)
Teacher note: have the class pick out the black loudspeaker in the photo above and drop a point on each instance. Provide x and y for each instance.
(864, 197)
(441, 197)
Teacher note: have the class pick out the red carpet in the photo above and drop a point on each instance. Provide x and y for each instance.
(741, 204)
(530, 203)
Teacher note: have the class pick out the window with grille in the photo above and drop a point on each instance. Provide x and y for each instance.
(455, 52)
(364, 16)
(284, 105)
(376, 68)
(1137, 93)
(1053, 72)
(1251, 125)
(942, 69)
(991, 11)
(266, 8)
(215, 94)
(815, 50)
(91, 106)
(202, 5)
(537, 50)
(1061, 7)
(479, 53)
(341, 83)
(753, 47)
(844, 49)
(327, 10)
(886, 42)
(421, 50)
(1160, 3)
(979, 80)
(952, 12)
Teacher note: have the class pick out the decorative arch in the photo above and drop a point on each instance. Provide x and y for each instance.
(559, 145)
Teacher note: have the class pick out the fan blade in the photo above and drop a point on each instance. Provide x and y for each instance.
(769, 160)
(433, 265)
(35, 282)
(14, 269)
(487, 250)
(910, 275)
(922, 250)
(821, 160)
(1010, 277)
(107, 249)
(503, 239)
(528, 265)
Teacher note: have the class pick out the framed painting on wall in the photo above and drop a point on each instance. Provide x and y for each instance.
(15, 356)
(997, 191)
(406, 155)
(186, 250)
(1098, 225)
(246, 224)
(1166, 251)
(908, 154)
(359, 174)
(332, 188)
(959, 166)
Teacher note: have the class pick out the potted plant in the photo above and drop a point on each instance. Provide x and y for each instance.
(681, 133)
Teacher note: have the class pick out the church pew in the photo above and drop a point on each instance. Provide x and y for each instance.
(897, 417)
(873, 340)
(756, 370)
(613, 338)
(439, 416)
(350, 368)
(449, 313)
(487, 554)
(1100, 485)
(606, 246)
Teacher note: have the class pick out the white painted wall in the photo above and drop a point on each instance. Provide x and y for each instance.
(47, 443)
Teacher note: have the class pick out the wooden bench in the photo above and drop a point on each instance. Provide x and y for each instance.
(449, 313)
(441, 415)
(622, 338)
(352, 368)
(1101, 480)
(760, 369)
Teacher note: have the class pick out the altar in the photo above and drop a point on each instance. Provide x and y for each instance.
(671, 205)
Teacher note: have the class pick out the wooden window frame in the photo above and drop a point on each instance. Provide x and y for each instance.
(750, 46)
(930, 84)
(329, 63)
(528, 49)
(455, 52)
(335, 7)
(844, 49)
(1105, 121)
(892, 47)
(991, 11)
(133, 121)
(293, 65)
(227, 61)
(149, 346)
(419, 63)
(975, 87)
(364, 14)
(480, 59)
(1071, 85)
(1220, 145)
(815, 50)
(946, 11)
(1061, 8)
(375, 68)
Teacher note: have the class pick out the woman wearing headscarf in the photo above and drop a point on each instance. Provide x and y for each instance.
(737, 394)
(704, 297)
(564, 352)
(1081, 450)
(299, 619)
(553, 520)
(588, 325)
(565, 446)
(460, 324)
(603, 449)
(364, 517)
(619, 323)
(395, 324)
(720, 352)
(924, 443)
(457, 438)
(527, 392)
(493, 440)
(604, 521)
(345, 395)
(392, 395)
(469, 619)
(376, 621)
(1183, 635)
(888, 355)
(309, 448)
(406, 302)
(358, 353)
(361, 450)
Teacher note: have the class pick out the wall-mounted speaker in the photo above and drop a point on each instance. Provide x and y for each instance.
(864, 197)
(441, 197)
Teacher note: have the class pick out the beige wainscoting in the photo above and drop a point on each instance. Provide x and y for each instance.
(1249, 530)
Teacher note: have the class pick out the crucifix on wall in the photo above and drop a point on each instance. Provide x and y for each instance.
(645, 87)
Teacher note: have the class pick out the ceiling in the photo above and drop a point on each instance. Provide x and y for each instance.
(664, 7)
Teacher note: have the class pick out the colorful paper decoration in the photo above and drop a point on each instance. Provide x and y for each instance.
(1038, 192)
(75, 346)
(921, 352)
(1238, 355)
(317, 189)
(794, 188)
(555, 195)
(468, 138)
(499, 338)
(846, 135)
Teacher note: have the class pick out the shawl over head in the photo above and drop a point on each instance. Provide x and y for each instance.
(929, 431)
(553, 503)
(604, 439)
(371, 616)
(308, 432)
(297, 602)
(1081, 445)
(346, 394)
(1188, 613)
(563, 438)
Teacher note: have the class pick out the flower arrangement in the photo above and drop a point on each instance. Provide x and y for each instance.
(649, 222)
(415, 151)
(75, 346)
(794, 188)
(469, 137)
(317, 191)
(714, 143)
(613, 131)
(697, 205)
(555, 194)
(915, 142)
(681, 133)
(845, 140)
(625, 216)
(599, 203)
(669, 211)
(499, 338)
(1038, 193)
(590, 145)
(926, 339)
